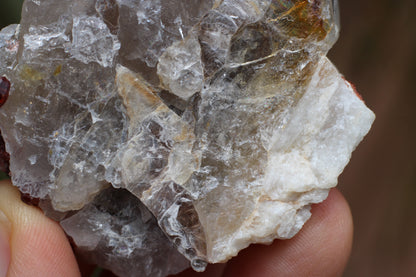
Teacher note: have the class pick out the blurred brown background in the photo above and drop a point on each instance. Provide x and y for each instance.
(377, 52)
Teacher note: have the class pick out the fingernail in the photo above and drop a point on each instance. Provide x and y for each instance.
(4, 245)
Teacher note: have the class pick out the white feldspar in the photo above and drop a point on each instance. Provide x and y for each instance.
(305, 157)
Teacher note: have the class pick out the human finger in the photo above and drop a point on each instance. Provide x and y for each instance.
(33, 245)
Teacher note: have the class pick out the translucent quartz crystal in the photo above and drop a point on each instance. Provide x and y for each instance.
(151, 127)
(118, 232)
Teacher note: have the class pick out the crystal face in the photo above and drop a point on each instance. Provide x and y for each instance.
(176, 132)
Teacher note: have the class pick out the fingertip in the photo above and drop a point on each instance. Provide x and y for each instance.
(4, 245)
(38, 245)
(331, 232)
(321, 248)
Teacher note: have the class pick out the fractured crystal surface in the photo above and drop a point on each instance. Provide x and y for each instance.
(118, 232)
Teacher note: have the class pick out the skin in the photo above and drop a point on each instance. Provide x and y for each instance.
(33, 245)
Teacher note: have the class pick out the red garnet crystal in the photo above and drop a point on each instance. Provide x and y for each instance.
(4, 90)
(4, 156)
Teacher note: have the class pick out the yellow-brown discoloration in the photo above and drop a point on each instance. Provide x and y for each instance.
(304, 20)
(30, 74)
(185, 134)
(58, 70)
(127, 79)
(255, 7)
(138, 97)
(217, 4)
(162, 108)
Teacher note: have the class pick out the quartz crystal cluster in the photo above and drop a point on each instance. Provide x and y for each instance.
(169, 133)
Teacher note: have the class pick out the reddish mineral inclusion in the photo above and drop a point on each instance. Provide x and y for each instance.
(4, 90)
(4, 156)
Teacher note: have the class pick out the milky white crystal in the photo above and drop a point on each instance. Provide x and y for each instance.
(152, 129)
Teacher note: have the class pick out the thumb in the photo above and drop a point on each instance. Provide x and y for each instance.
(30, 243)
(4, 244)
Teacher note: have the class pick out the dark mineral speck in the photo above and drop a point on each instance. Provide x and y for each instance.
(4, 156)
(4, 90)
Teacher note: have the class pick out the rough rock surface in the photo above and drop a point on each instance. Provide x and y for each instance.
(202, 126)
(120, 233)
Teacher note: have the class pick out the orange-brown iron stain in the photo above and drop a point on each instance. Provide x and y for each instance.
(141, 88)
(304, 19)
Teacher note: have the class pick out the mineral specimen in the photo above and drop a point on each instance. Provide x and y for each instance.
(149, 127)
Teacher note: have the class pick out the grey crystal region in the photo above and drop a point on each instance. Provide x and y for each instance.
(118, 232)
(176, 133)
